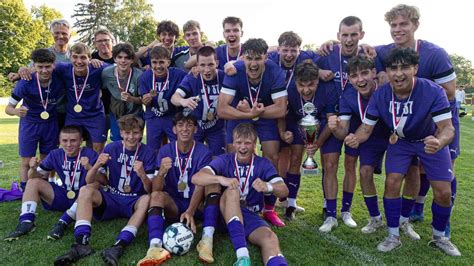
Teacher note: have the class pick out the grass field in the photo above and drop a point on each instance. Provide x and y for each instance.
(300, 241)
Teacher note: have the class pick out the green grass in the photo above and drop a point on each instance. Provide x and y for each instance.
(300, 241)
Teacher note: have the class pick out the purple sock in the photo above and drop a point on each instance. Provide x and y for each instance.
(407, 206)
(156, 223)
(346, 201)
(454, 187)
(125, 238)
(211, 211)
(270, 201)
(440, 216)
(392, 211)
(27, 217)
(372, 205)
(237, 234)
(293, 184)
(82, 233)
(331, 207)
(277, 261)
(65, 218)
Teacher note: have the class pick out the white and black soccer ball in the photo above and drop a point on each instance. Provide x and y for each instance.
(178, 238)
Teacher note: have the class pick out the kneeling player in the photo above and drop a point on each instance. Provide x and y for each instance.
(71, 162)
(131, 165)
(174, 193)
(248, 179)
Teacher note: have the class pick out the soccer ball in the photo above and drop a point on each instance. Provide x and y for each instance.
(178, 238)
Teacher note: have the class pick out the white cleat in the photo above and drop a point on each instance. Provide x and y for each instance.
(407, 228)
(374, 224)
(390, 243)
(347, 219)
(328, 224)
(445, 245)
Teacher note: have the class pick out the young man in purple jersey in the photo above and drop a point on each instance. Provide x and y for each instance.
(71, 162)
(38, 118)
(200, 94)
(233, 32)
(420, 119)
(248, 179)
(256, 94)
(125, 169)
(353, 104)
(434, 65)
(175, 197)
(157, 86)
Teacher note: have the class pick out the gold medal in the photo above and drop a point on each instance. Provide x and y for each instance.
(44, 115)
(181, 186)
(77, 108)
(393, 138)
(127, 188)
(210, 116)
(71, 194)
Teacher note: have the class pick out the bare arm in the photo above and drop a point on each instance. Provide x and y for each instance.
(277, 109)
(207, 177)
(443, 137)
(226, 111)
(338, 127)
(361, 135)
(450, 89)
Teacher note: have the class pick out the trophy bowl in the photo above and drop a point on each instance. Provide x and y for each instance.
(309, 127)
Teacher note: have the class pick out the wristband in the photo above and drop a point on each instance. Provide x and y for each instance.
(269, 188)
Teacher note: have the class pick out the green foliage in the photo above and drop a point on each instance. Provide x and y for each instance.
(463, 68)
(92, 16)
(220, 42)
(45, 15)
(143, 32)
(310, 46)
(6, 86)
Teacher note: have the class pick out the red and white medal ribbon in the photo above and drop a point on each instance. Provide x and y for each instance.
(395, 121)
(128, 80)
(182, 169)
(247, 175)
(227, 53)
(162, 88)
(341, 63)
(72, 174)
(125, 159)
(207, 98)
(252, 99)
(44, 103)
(78, 96)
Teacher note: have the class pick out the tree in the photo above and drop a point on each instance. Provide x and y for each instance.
(143, 32)
(45, 15)
(463, 68)
(92, 16)
(310, 46)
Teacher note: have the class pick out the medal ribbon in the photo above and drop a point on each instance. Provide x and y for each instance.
(242, 189)
(252, 99)
(164, 85)
(227, 52)
(207, 100)
(341, 63)
(78, 97)
(127, 173)
(359, 103)
(43, 102)
(186, 162)
(128, 80)
(396, 121)
(72, 175)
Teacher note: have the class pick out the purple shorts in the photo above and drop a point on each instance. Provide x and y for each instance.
(183, 205)
(252, 221)
(372, 152)
(115, 206)
(215, 139)
(156, 129)
(96, 127)
(267, 129)
(400, 156)
(30, 135)
(332, 145)
(454, 146)
(60, 201)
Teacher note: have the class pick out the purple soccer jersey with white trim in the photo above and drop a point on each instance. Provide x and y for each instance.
(304, 55)
(200, 157)
(224, 165)
(427, 105)
(146, 59)
(117, 173)
(221, 53)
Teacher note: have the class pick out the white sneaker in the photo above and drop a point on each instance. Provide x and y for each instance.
(374, 224)
(347, 219)
(390, 243)
(284, 204)
(328, 224)
(407, 228)
(445, 245)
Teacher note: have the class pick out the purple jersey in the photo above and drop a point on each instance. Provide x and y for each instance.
(161, 105)
(146, 59)
(225, 165)
(69, 169)
(271, 86)
(352, 107)
(417, 114)
(187, 163)
(207, 106)
(90, 98)
(337, 63)
(224, 57)
(120, 168)
(304, 55)
(29, 92)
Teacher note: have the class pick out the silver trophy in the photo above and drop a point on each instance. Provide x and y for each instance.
(309, 127)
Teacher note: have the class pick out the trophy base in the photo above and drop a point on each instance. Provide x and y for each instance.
(306, 171)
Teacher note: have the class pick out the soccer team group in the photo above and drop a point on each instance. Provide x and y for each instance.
(395, 100)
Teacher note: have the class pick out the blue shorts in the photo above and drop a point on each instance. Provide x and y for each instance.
(96, 127)
(372, 152)
(30, 135)
(400, 156)
(60, 201)
(215, 139)
(183, 205)
(156, 129)
(252, 221)
(267, 129)
(115, 206)
(351, 151)
(332, 145)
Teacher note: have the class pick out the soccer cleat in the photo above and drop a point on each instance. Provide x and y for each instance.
(416, 216)
(328, 224)
(57, 231)
(154, 256)
(407, 228)
(447, 231)
(284, 204)
(204, 248)
(462, 114)
(290, 213)
(390, 243)
(347, 219)
(272, 217)
(76, 252)
(373, 225)
(111, 255)
(445, 245)
(242, 261)
(20, 230)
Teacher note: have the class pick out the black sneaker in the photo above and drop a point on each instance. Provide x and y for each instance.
(20, 230)
(57, 231)
(76, 252)
(462, 114)
(111, 255)
(290, 213)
